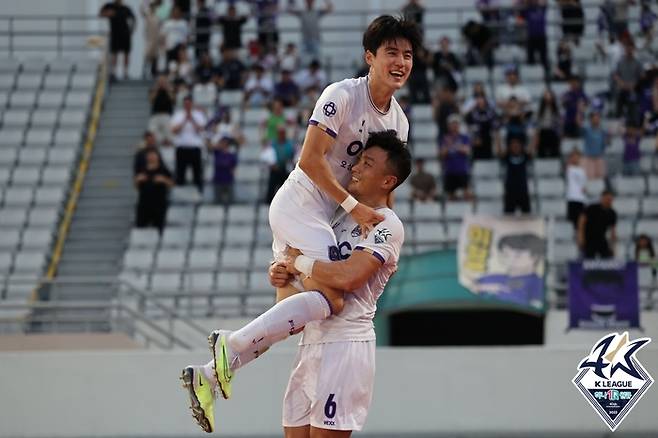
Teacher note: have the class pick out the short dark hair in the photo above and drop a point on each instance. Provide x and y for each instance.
(398, 156)
(388, 28)
(524, 241)
(607, 192)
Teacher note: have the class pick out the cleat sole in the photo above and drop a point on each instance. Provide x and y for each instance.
(198, 413)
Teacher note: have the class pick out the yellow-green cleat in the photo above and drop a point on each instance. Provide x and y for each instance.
(202, 396)
(221, 361)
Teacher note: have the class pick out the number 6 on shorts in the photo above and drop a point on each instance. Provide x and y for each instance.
(330, 407)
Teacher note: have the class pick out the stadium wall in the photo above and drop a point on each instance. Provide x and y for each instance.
(518, 391)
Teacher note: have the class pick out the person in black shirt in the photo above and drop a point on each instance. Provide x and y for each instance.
(205, 72)
(516, 161)
(483, 125)
(147, 144)
(122, 25)
(444, 106)
(202, 28)
(419, 86)
(593, 226)
(232, 27)
(153, 184)
(162, 106)
(446, 66)
(232, 70)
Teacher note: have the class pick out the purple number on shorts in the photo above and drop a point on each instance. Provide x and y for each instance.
(330, 407)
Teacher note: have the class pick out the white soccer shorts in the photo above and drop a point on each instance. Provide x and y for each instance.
(331, 386)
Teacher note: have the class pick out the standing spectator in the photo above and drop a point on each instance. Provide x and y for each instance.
(259, 87)
(547, 135)
(232, 70)
(275, 119)
(423, 184)
(266, 12)
(202, 28)
(205, 72)
(595, 142)
(574, 102)
(153, 183)
(310, 26)
(515, 161)
(147, 144)
(515, 121)
(512, 88)
(225, 160)
(446, 66)
(232, 27)
(312, 77)
(286, 90)
(647, 22)
(162, 106)
(181, 69)
(175, 32)
(627, 75)
(443, 105)
(280, 167)
(454, 154)
(573, 20)
(645, 255)
(535, 17)
(563, 69)
(483, 124)
(290, 58)
(419, 86)
(480, 44)
(477, 90)
(122, 25)
(188, 125)
(413, 11)
(576, 194)
(593, 226)
(151, 38)
(632, 154)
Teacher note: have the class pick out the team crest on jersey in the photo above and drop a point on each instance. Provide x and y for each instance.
(612, 379)
(356, 232)
(382, 235)
(329, 109)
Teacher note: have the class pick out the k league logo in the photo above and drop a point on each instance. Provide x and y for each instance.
(612, 379)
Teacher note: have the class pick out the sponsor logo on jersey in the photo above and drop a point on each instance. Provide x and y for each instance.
(612, 379)
(382, 235)
(329, 109)
(356, 232)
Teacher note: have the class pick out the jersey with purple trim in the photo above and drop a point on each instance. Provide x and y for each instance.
(345, 111)
(354, 323)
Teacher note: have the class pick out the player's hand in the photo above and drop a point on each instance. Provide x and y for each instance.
(292, 252)
(366, 217)
(279, 276)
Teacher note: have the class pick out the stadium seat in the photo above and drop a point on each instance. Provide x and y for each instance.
(550, 188)
(72, 117)
(144, 238)
(239, 235)
(32, 156)
(427, 211)
(6, 261)
(43, 217)
(22, 99)
(259, 281)
(203, 259)
(16, 118)
(624, 229)
(207, 236)
(180, 215)
(68, 136)
(563, 230)
(565, 252)
(56, 81)
(38, 137)
(210, 214)
(489, 207)
(547, 167)
(457, 209)
(627, 206)
(141, 259)
(11, 137)
(13, 217)
(486, 169)
(8, 156)
(630, 186)
(19, 195)
(553, 207)
(49, 195)
(236, 257)
(7, 81)
(241, 213)
(403, 209)
(452, 231)
(55, 176)
(176, 237)
(9, 240)
(29, 262)
(648, 227)
(231, 281)
(488, 189)
(37, 238)
(26, 176)
(165, 282)
(199, 281)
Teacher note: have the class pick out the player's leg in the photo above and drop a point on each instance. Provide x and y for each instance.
(316, 432)
(296, 403)
(297, 432)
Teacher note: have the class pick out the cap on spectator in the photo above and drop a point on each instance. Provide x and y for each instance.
(454, 118)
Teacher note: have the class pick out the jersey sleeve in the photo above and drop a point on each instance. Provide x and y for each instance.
(384, 241)
(330, 110)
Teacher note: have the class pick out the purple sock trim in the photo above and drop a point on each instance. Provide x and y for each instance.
(331, 309)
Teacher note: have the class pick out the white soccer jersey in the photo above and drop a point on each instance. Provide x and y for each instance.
(346, 112)
(354, 323)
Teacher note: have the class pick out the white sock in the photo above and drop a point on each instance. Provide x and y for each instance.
(279, 322)
(209, 371)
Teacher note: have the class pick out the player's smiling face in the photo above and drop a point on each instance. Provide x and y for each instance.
(392, 63)
(371, 175)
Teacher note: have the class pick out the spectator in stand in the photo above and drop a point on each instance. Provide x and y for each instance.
(512, 88)
(275, 119)
(593, 226)
(407, 109)
(290, 58)
(645, 255)
(563, 69)
(266, 12)
(151, 38)
(632, 154)
(573, 20)
(627, 75)
(232, 70)
(280, 167)
(595, 142)
(483, 125)
(312, 77)
(259, 87)
(175, 32)
(188, 126)
(181, 70)
(576, 182)
(202, 27)
(647, 22)
(535, 17)
(446, 66)
(547, 135)
(205, 73)
(413, 11)
(480, 44)
(419, 86)
(444, 105)
(454, 154)
(232, 27)
(122, 25)
(515, 121)
(574, 103)
(286, 90)
(515, 160)
(477, 90)
(223, 145)
(651, 107)
(153, 183)
(185, 7)
(423, 184)
(162, 106)
(147, 144)
(310, 26)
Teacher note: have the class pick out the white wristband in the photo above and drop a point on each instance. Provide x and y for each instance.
(304, 265)
(349, 203)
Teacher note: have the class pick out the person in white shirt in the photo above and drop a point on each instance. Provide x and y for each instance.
(259, 86)
(175, 32)
(311, 77)
(512, 88)
(188, 127)
(576, 182)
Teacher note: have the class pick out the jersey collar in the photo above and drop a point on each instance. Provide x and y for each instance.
(372, 103)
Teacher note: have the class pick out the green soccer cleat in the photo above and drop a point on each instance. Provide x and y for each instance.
(202, 393)
(221, 361)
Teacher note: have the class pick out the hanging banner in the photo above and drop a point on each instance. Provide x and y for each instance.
(503, 257)
(603, 294)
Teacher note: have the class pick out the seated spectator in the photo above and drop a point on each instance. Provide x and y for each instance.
(574, 103)
(626, 76)
(576, 193)
(224, 128)
(595, 142)
(515, 161)
(175, 32)
(423, 184)
(312, 77)
(512, 88)
(483, 125)
(258, 88)
(289, 58)
(147, 144)
(454, 154)
(547, 135)
(593, 226)
(516, 125)
(419, 86)
(225, 160)
(279, 159)
(286, 90)
(231, 24)
(650, 106)
(446, 66)
(480, 44)
(309, 18)
(477, 90)
(188, 126)
(153, 183)
(205, 72)
(275, 119)
(645, 254)
(181, 69)
(232, 70)
(647, 22)
(563, 69)
(444, 105)
(632, 154)
(162, 106)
